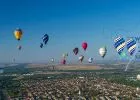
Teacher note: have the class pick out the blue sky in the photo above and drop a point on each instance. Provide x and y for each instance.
(68, 23)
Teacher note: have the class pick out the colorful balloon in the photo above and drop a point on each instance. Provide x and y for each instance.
(18, 34)
(75, 51)
(63, 61)
(81, 58)
(131, 46)
(102, 52)
(119, 44)
(84, 45)
(90, 60)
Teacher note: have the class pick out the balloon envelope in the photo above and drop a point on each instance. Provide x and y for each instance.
(75, 51)
(119, 44)
(102, 51)
(45, 39)
(131, 46)
(81, 58)
(90, 60)
(63, 61)
(19, 47)
(52, 60)
(84, 45)
(18, 34)
(41, 45)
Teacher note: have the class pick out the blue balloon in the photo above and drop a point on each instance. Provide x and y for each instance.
(119, 44)
(131, 46)
(45, 39)
(41, 45)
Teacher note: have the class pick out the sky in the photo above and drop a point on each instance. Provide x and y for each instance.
(68, 23)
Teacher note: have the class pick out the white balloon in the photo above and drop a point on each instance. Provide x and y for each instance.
(81, 58)
(102, 51)
(52, 60)
(90, 60)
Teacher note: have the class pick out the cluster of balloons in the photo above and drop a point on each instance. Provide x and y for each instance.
(120, 44)
(75, 51)
(102, 51)
(18, 35)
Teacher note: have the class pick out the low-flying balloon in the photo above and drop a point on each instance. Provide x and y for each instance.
(41, 45)
(119, 44)
(19, 47)
(102, 52)
(52, 59)
(84, 45)
(90, 60)
(131, 46)
(75, 51)
(18, 34)
(81, 58)
(63, 61)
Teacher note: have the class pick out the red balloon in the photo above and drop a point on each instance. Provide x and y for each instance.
(63, 61)
(84, 45)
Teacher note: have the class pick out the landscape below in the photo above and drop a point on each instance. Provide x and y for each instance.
(67, 82)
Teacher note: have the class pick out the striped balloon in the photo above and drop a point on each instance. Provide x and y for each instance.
(131, 46)
(119, 44)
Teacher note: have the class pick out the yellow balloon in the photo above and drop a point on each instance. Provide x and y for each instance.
(18, 34)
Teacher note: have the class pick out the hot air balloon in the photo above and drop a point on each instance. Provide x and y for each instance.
(52, 60)
(81, 58)
(75, 51)
(65, 55)
(102, 52)
(18, 34)
(41, 45)
(45, 38)
(131, 46)
(84, 45)
(19, 47)
(138, 77)
(119, 44)
(63, 61)
(90, 60)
